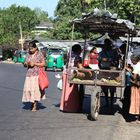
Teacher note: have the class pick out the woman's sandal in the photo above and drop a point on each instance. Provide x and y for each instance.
(133, 122)
(137, 120)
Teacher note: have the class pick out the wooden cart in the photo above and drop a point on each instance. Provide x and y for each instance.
(115, 28)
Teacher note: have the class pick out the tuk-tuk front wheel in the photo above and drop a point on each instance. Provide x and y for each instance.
(54, 68)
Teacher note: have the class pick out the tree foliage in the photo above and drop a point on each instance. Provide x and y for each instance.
(67, 10)
(129, 9)
(12, 17)
(42, 15)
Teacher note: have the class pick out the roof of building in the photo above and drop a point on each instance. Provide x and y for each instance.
(44, 25)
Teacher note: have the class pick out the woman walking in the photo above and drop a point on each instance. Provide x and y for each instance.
(31, 91)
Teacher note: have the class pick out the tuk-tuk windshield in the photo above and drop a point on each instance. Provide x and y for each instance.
(55, 51)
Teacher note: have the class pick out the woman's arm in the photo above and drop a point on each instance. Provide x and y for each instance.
(40, 64)
(25, 64)
(80, 66)
(133, 75)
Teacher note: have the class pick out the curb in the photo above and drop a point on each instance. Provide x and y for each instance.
(10, 62)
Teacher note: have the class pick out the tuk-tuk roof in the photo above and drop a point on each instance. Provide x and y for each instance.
(104, 24)
(54, 48)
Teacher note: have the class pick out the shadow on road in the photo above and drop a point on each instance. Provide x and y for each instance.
(127, 117)
(125, 112)
(103, 110)
(28, 105)
(108, 110)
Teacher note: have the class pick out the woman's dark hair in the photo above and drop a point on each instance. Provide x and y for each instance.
(107, 41)
(33, 44)
(123, 48)
(35, 41)
(76, 48)
(107, 44)
(135, 58)
(92, 49)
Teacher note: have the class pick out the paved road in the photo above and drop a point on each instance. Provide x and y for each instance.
(18, 123)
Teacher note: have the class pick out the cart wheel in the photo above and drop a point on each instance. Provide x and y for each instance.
(95, 105)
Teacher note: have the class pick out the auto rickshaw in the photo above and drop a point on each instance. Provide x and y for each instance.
(54, 59)
(19, 56)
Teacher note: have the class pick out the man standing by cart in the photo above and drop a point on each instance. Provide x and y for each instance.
(108, 60)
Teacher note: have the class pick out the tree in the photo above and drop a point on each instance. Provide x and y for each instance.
(10, 20)
(88, 1)
(42, 15)
(67, 10)
(129, 9)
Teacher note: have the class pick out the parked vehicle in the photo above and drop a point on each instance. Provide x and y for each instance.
(19, 56)
(43, 50)
(55, 59)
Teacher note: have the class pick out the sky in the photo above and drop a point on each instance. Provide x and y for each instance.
(45, 5)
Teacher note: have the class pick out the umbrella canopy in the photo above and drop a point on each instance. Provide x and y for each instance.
(104, 24)
(99, 42)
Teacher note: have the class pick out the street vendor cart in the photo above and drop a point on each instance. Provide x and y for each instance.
(115, 28)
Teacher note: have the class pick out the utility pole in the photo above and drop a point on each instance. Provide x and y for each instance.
(105, 4)
(21, 38)
(82, 6)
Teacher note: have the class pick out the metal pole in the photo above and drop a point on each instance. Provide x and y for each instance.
(72, 38)
(21, 38)
(72, 32)
(105, 4)
(127, 48)
(126, 58)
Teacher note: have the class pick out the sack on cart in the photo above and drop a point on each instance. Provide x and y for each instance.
(59, 84)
